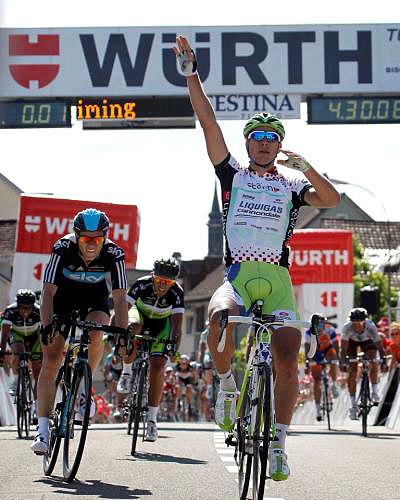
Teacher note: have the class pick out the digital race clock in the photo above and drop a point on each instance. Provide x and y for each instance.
(354, 109)
(34, 114)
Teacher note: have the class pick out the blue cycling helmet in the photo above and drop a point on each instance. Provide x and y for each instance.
(91, 219)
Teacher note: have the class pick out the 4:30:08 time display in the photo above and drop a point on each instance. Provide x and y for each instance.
(355, 109)
(34, 114)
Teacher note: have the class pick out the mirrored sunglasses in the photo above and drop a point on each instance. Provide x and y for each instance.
(95, 239)
(263, 135)
(159, 280)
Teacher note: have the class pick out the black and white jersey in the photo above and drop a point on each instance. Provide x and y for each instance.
(68, 271)
(11, 316)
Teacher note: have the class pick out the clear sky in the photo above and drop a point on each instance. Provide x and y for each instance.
(167, 172)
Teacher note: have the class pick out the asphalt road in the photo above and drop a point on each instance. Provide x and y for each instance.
(190, 461)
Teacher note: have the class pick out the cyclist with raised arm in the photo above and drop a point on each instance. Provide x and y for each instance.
(328, 350)
(75, 279)
(260, 208)
(156, 304)
(361, 332)
(20, 327)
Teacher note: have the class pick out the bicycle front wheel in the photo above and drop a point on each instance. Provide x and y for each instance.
(137, 402)
(24, 403)
(261, 435)
(243, 450)
(76, 423)
(326, 404)
(50, 459)
(364, 400)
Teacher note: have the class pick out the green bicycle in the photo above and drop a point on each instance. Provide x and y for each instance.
(255, 414)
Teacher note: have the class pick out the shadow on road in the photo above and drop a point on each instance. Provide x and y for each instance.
(93, 488)
(157, 457)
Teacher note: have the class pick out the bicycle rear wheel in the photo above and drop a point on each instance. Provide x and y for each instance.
(76, 430)
(243, 448)
(261, 435)
(50, 459)
(137, 403)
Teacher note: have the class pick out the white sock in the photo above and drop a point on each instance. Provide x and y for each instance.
(44, 427)
(227, 381)
(280, 436)
(127, 369)
(375, 388)
(353, 400)
(318, 406)
(152, 413)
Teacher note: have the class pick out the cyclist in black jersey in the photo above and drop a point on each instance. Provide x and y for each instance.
(75, 278)
(156, 304)
(260, 207)
(20, 327)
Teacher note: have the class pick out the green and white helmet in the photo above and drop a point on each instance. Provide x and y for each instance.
(267, 120)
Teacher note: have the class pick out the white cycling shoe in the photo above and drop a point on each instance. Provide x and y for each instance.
(278, 466)
(124, 383)
(151, 431)
(225, 409)
(40, 445)
(80, 406)
(375, 398)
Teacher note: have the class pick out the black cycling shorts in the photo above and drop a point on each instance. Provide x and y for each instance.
(365, 346)
(64, 305)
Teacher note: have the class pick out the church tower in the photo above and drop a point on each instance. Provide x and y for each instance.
(215, 232)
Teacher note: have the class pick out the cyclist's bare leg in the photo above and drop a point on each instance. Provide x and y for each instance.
(285, 348)
(16, 347)
(189, 393)
(36, 366)
(96, 346)
(156, 379)
(332, 357)
(317, 388)
(352, 379)
(371, 355)
(53, 355)
(222, 360)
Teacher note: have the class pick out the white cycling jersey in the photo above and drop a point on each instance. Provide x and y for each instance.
(259, 213)
(370, 332)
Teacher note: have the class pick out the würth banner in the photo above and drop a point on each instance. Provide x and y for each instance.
(322, 272)
(44, 220)
(233, 60)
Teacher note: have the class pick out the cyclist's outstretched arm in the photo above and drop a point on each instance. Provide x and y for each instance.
(120, 307)
(216, 147)
(176, 328)
(46, 305)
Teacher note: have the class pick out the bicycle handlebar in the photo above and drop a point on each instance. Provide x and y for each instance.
(280, 322)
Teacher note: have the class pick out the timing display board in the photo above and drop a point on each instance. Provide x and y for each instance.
(34, 114)
(354, 109)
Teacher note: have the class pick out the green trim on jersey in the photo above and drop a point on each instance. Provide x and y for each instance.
(152, 312)
(255, 280)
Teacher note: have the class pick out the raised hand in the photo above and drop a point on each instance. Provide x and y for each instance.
(294, 161)
(185, 55)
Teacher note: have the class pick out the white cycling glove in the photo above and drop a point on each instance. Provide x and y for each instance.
(296, 162)
(188, 67)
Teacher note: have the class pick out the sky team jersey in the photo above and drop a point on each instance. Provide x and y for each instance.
(142, 295)
(259, 213)
(326, 338)
(370, 332)
(12, 317)
(68, 271)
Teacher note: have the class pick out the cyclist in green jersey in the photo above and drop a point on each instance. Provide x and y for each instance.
(156, 304)
(260, 207)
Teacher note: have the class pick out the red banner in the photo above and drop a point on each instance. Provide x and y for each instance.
(43, 220)
(321, 256)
